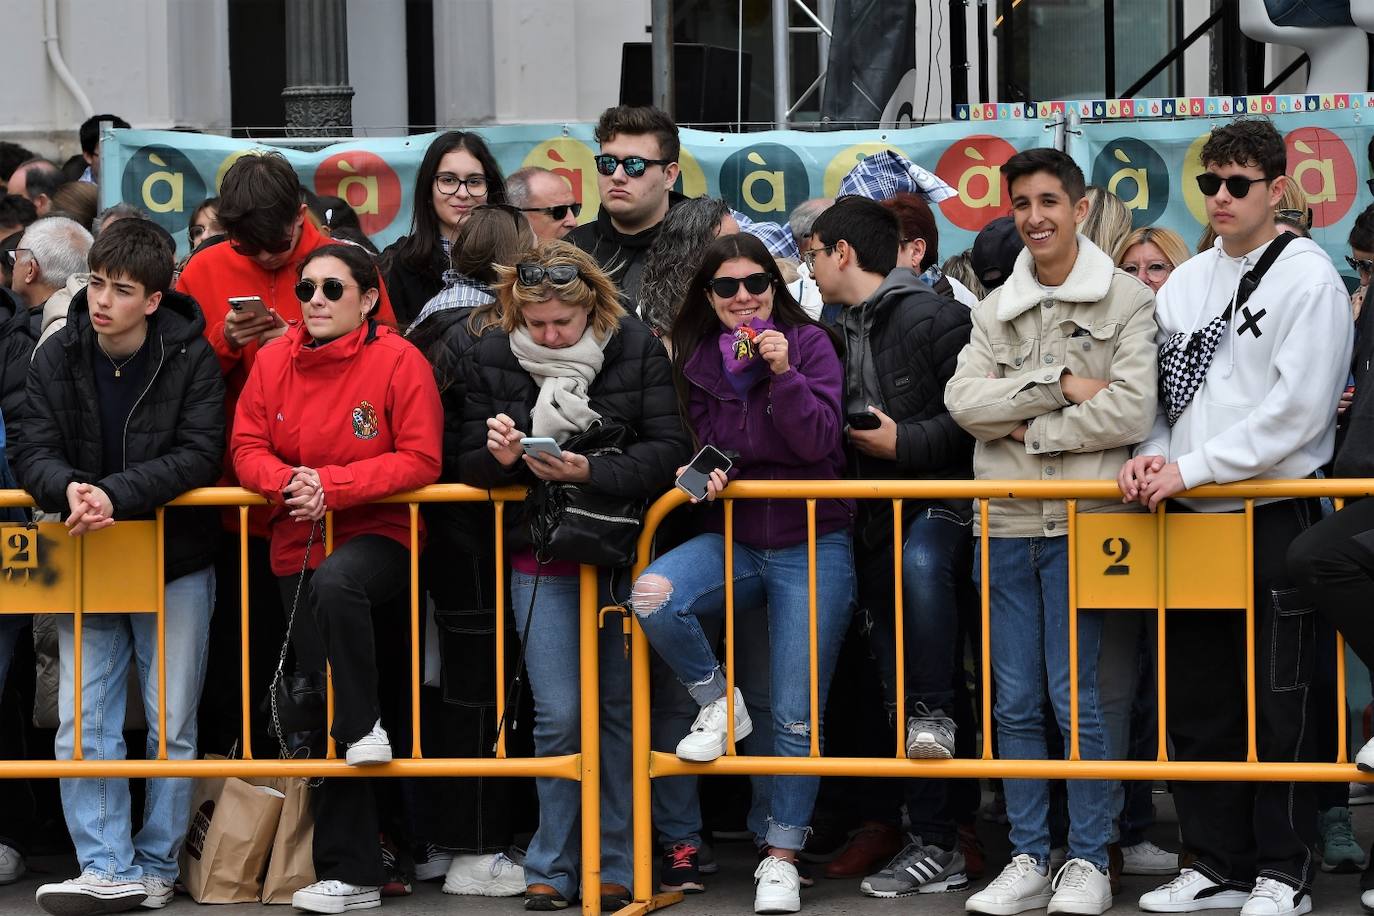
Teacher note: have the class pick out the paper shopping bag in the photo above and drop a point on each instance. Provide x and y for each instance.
(228, 840)
(292, 865)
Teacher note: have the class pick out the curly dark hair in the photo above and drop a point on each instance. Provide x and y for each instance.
(641, 119)
(673, 257)
(1247, 142)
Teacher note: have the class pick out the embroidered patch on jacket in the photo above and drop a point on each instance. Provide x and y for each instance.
(365, 421)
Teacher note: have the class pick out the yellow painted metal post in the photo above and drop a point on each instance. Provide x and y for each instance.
(500, 521)
(984, 598)
(161, 640)
(899, 625)
(811, 609)
(1073, 629)
(590, 755)
(730, 627)
(1161, 668)
(1342, 741)
(246, 678)
(415, 751)
(1252, 752)
(77, 655)
(641, 748)
(330, 750)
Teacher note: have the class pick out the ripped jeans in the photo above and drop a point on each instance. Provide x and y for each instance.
(775, 579)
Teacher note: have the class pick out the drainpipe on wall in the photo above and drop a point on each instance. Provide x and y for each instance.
(59, 66)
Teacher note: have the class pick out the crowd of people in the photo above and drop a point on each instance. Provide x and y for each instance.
(499, 343)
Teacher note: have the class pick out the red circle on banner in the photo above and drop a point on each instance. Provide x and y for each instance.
(369, 185)
(973, 167)
(1321, 164)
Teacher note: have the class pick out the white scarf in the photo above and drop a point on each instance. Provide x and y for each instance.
(564, 375)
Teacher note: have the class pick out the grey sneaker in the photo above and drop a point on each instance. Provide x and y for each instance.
(918, 869)
(929, 734)
(159, 891)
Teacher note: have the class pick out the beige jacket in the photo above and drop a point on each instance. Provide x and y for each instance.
(1099, 324)
(56, 308)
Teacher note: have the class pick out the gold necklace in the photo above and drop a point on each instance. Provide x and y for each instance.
(119, 366)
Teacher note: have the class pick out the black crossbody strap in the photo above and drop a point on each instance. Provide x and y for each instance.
(1251, 281)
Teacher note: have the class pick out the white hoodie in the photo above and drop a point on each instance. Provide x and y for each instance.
(1267, 406)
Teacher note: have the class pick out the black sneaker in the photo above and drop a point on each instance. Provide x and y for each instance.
(396, 882)
(680, 870)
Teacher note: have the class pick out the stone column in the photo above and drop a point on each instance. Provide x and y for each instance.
(319, 101)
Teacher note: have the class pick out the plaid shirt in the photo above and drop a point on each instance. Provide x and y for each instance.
(883, 175)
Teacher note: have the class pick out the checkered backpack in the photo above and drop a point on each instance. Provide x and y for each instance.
(1184, 358)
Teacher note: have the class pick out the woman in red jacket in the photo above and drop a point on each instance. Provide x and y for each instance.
(338, 413)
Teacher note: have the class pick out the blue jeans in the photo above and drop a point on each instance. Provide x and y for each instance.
(96, 808)
(555, 681)
(775, 579)
(1030, 642)
(936, 562)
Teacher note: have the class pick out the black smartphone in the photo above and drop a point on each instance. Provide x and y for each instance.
(863, 420)
(697, 474)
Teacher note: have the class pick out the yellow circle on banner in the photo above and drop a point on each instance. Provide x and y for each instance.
(1192, 167)
(844, 163)
(571, 160)
(229, 160)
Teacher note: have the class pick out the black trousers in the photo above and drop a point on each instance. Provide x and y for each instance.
(340, 596)
(1333, 564)
(1244, 830)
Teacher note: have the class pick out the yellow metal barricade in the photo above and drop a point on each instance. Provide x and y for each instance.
(1135, 561)
(120, 570)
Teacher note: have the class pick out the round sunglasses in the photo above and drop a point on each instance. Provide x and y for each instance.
(728, 287)
(333, 289)
(635, 166)
(1209, 183)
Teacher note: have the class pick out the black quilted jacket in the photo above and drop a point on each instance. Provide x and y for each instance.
(901, 348)
(173, 441)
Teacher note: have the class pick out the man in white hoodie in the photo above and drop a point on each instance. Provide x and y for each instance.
(1248, 390)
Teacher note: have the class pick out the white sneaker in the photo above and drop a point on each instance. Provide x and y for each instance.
(1365, 758)
(1148, 859)
(1271, 897)
(159, 891)
(1018, 888)
(1367, 901)
(11, 864)
(1189, 892)
(777, 886)
(1080, 888)
(706, 741)
(493, 875)
(369, 750)
(1361, 793)
(89, 893)
(336, 896)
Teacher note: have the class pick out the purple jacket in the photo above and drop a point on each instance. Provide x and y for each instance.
(788, 428)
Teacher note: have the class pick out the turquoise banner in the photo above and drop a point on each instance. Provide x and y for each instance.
(764, 175)
(1152, 166)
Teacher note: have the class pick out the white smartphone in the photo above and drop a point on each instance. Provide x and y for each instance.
(534, 445)
(249, 305)
(697, 475)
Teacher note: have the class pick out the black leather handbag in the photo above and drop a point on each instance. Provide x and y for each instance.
(575, 523)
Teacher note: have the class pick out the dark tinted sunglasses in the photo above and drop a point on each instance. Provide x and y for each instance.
(333, 289)
(728, 287)
(1300, 217)
(1209, 183)
(634, 165)
(1359, 265)
(252, 249)
(558, 212)
(531, 274)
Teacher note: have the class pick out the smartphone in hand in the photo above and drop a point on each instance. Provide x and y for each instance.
(697, 475)
(863, 420)
(541, 445)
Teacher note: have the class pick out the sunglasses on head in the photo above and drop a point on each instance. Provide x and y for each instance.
(252, 249)
(1209, 183)
(558, 212)
(333, 289)
(728, 287)
(529, 273)
(1302, 218)
(634, 165)
(1359, 265)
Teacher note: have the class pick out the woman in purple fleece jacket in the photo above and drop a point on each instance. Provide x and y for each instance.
(760, 381)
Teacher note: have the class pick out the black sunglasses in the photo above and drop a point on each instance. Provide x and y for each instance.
(1369, 183)
(1302, 218)
(728, 287)
(1359, 265)
(634, 165)
(529, 273)
(557, 212)
(1209, 183)
(252, 249)
(333, 289)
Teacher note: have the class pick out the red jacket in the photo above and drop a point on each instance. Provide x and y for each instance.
(362, 410)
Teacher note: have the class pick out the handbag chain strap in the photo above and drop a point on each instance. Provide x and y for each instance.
(286, 642)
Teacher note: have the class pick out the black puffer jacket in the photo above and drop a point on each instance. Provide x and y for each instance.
(621, 256)
(409, 288)
(18, 336)
(174, 438)
(1355, 433)
(634, 386)
(902, 346)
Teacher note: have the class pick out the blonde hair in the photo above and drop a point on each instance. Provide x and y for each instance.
(1166, 240)
(1108, 221)
(591, 289)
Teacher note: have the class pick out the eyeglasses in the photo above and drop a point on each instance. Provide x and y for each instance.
(1155, 269)
(1359, 265)
(333, 289)
(558, 212)
(1301, 217)
(448, 184)
(1209, 183)
(253, 249)
(194, 233)
(12, 257)
(529, 273)
(809, 255)
(728, 287)
(635, 166)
